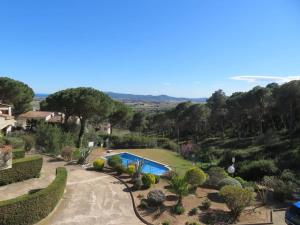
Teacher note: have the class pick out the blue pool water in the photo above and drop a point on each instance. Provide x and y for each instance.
(149, 166)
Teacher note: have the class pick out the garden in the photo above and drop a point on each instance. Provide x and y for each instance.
(189, 197)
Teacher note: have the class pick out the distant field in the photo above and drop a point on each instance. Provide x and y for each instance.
(172, 159)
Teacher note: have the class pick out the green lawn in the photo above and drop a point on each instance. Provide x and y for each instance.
(172, 159)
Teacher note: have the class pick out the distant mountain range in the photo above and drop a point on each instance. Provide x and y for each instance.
(143, 98)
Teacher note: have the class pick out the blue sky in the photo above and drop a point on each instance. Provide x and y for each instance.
(185, 48)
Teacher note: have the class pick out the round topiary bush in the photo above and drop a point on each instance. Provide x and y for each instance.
(131, 170)
(148, 180)
(119, 168)
(156, 197)
(195, 176)
(114, 160)
(215, 175)
(229, 181)
(98, 164)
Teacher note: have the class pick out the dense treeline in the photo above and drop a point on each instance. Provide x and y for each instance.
(243, 114)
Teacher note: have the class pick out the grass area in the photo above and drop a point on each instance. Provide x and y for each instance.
(172, 159)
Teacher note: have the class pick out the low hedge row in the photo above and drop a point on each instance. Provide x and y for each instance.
(22, 169)
(31, 208)
(18, 153)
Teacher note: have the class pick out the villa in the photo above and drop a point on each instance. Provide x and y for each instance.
(6, 119)
(28, 119)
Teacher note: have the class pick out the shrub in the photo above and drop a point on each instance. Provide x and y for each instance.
(51, 139)
(229, 181)
(166, 223)
(194, 211)
(15, 142)
(22, 169)
(114, 160)
(31, 208)
(215, 175)
(66, 139)
(144, 204)
(131, 169)
(29, 142)
(288, 176)
(76, 154)
(256, 170)
(120, 169)
(48, 138)
(156, 197)
(167, 144)
(67, 153)
(241, 180)
(148, 180)
(206, 204)
(130, 141)
(178, 209)
(236, 199)
(282, 190)
(18, 153)
(195, 176)
(157, 179)
(98, 164)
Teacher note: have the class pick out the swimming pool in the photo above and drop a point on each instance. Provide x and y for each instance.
(148, 167)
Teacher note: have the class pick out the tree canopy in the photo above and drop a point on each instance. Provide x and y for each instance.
(120, 114)
(242, 114)
(16, 93)
(81, 102)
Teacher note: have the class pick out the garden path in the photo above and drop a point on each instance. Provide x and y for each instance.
(91, 198)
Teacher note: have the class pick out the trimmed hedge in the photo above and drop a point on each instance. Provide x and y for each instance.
(22, 169)
(18, 153)
(30, 208)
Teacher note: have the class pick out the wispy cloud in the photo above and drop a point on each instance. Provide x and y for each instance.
(278, 79)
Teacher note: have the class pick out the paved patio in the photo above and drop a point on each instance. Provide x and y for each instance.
(91, 198)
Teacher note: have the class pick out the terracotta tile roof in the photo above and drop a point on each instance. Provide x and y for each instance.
(35, 115)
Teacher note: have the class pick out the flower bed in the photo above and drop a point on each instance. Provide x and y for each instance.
(33, 207)
(217, 210)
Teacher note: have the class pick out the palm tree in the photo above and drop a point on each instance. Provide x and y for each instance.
(180, 187)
